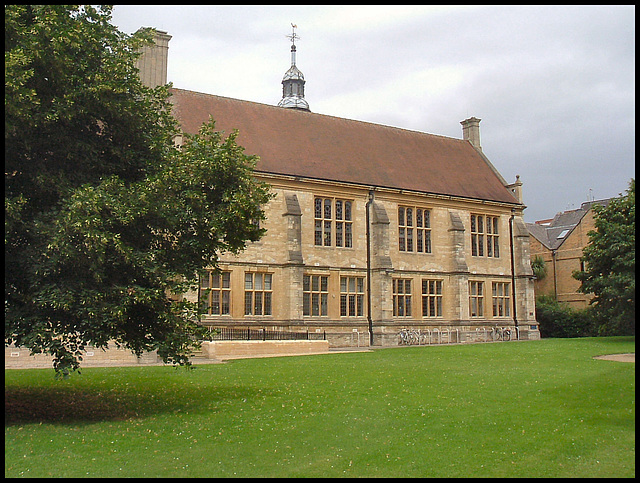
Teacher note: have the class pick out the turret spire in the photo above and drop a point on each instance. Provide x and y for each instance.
(293, 80)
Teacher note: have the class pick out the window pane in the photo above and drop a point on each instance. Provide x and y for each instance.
(215, 303)
(327, 233)
(204, 281)
(226, 279)
(267, 303)
(347, 210)
(401, 216)
(318, 208)
(248, 281)
(267, 281)
(248, 306)
(348, 237)
(226, 302)
(306, 304)
(324, 282)
(215, 280)
(257, 303)
(258, 281)
(327, 209)
(338, 209)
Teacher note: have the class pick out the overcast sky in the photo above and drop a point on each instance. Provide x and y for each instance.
(554, 86)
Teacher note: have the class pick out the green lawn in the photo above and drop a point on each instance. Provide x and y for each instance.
(517, 409)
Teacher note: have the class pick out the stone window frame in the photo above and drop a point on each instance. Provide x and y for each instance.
(485, 227)
(258, 296)
(333, 222)
(315, 295)
(215, 291)
(402, 299)
(352, 296)
(432, 298)
(476, 298)
(501, 299)
(414, 220)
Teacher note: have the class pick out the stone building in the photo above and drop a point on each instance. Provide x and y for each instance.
(560, 241)
(372, 228)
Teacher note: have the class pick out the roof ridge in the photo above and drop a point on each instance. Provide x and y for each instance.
(371, 123)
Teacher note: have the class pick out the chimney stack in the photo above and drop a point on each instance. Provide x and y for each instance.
(471, 131)
(153, 61)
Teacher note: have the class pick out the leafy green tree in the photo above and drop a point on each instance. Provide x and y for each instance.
(105, 218)
(610, 265)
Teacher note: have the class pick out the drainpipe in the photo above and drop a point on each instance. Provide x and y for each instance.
(554, 255)
(513, 272)
(368, 232)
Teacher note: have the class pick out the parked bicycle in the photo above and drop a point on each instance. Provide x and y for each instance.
(502, 333)
(409, 337)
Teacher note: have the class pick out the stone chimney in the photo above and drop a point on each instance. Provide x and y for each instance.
(516, 188)
(153, 61)
(471, 131)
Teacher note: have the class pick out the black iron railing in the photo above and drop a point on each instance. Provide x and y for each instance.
(232, 333)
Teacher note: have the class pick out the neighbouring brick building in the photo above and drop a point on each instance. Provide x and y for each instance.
(372, 228)
(560, 241)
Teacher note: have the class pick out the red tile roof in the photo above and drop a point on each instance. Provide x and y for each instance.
(305, 144)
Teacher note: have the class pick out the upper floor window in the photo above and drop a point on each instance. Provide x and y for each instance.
(485, 239)
(414, 229)
(333, 222)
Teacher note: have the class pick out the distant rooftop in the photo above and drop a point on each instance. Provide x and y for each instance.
(553, 232)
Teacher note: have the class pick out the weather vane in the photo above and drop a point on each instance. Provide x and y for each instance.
(293, 35)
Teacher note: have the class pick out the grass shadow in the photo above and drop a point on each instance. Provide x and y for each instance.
(65, 405)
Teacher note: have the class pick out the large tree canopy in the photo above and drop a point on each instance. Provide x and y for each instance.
(105, 218)
(610, 264)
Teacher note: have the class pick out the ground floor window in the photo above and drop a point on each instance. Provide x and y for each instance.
(476, 299)
(215, 292)
(401, 297)
(501, 299)
(258, 293)
(315, 293)
(432, 298)
(351, 296)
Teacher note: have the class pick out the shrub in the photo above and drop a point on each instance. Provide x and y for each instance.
(559, 320)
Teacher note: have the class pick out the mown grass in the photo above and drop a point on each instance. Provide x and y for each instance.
(519, 409)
